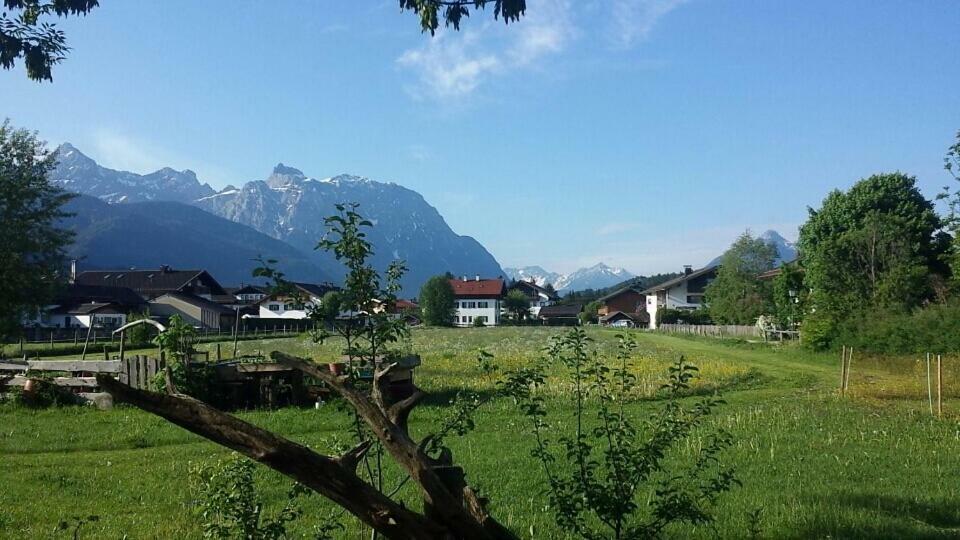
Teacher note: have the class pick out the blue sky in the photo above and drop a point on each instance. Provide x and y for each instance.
(641, 133)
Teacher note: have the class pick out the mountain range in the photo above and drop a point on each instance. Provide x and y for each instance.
(287, 206)
(598, 276)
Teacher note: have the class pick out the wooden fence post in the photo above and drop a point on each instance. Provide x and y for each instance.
(51, 340)
(843, 369)
(929, 386)
(846, 381)
(218, 351)
(76, 337)
(939, 387)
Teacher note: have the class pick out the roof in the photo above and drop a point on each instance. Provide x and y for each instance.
(83, 294)
(405, 304)
(477, 288)
(315, 289)
(197, 301)
(618, 293)
(642, 317)
(569, 310)
(681, 279)
(86, 309)
(537, 289)
(159, 280)
(247, 289)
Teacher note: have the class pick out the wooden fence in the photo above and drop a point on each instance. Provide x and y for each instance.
(712, 330)
(79, 376)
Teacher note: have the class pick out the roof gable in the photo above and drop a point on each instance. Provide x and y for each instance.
(475, 288)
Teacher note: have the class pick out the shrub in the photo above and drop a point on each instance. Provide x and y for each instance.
(479, 322)
(935, 328)
(683, 316)
(228, 502)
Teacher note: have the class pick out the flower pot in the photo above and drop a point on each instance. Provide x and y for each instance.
(337, 368)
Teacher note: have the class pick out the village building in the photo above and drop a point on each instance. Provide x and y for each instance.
(684, 292)
(621, 319)
(153, 283)
(474, 298)
(194, 310)
(540, 297)
(80, 306)
(564, 315)
(627, 300)
(295, 304)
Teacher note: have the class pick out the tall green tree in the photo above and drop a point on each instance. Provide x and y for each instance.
(518, 304)
(437, 301)
(738, 295)
(879, 245)
(789, 295)
(32, 244)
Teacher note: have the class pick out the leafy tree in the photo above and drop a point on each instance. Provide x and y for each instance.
(737, 295)
(33, 245)
(951, 163)
(329, 308)
(875, 246)
(789, 295)
(589, 313)
(26, 34)
(431, 12)
(549, 288)
(479, 322)
(437, 301)
(518, 304)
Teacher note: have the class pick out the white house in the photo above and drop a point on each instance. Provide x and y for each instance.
(684, 292)
(476, 298)
(540, 297)
(79, 306)
(293, 306)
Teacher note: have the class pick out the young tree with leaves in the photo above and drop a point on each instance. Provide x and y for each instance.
(33, 243)
(437, 301)
(738, 295)
(518, 304)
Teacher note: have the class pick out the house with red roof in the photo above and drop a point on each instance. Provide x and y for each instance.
(475, 298)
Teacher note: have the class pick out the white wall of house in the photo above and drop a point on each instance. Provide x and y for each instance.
(285, 308)
(675, 297)
(468, 309)
(107, 320)
(540, 301)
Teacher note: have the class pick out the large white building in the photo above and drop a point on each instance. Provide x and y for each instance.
(476, 298)
(684, 292)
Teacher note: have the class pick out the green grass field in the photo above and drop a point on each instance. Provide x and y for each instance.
(872, 465)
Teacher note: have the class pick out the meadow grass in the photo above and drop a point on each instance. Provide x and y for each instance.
(873, 465)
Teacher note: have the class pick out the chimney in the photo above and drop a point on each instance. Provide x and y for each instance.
(477, 277)
(73, 271)
(687, 269)
(463, 277)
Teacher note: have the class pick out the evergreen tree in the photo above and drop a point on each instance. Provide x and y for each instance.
(33, 245)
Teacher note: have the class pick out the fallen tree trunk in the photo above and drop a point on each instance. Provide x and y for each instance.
(451, 508)
(325, 475)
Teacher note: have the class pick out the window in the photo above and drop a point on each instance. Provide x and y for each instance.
(483, 304)
(289, 306)
(471, 319)
(274, 307)
(473, 305)
(693, 299)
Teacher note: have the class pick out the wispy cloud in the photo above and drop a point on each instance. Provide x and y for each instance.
(633, 20)
(454, 64)
(419, 152)
(117, 150)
